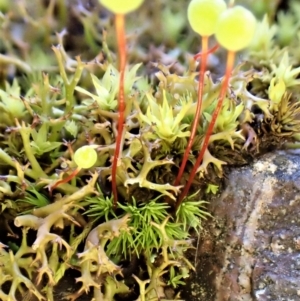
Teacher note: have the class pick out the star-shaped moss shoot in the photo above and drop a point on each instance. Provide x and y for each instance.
(203, 17)
(234, 31)
(85, 157)
(120, 8)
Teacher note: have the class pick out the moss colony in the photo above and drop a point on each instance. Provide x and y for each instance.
(60, 109)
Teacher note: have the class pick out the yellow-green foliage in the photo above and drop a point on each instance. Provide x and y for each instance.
(59, 112)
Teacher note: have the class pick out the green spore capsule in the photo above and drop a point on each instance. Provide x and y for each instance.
(235, 28)
(85, 156)
(121, 6)
(203, 15)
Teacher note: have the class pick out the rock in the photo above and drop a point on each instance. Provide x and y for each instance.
(250, 251)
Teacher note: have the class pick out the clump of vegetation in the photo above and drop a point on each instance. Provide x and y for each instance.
(106, 159)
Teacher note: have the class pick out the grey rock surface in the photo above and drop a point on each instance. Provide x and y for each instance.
(250, 251)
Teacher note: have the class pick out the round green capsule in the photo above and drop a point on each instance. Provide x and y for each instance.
(203, 15)
(121, 6)
(235, 28)
(85, 156)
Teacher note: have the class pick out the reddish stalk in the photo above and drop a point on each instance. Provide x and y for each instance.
(209, 51)
(204, 55)
(229, 67)
(120, 30)
(65, 180)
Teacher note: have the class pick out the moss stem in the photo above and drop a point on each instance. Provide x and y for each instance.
(120, 28)
(198, 108)
(229, 67)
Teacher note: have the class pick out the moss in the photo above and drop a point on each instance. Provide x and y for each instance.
(54, 100)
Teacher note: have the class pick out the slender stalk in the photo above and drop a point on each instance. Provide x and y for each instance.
(65, 180)
(209, 51)
(120, 29)
(229, 67)
(198, 108)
